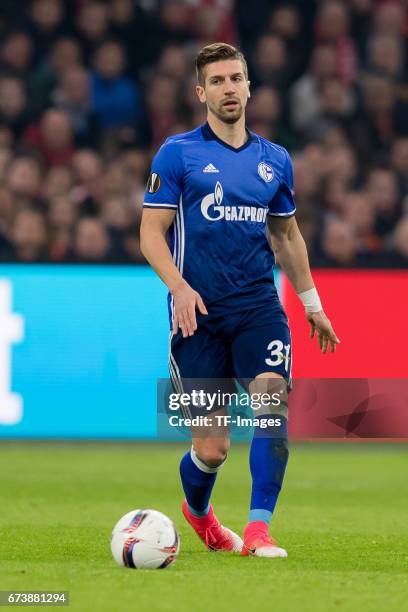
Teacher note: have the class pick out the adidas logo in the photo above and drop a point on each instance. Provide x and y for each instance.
(210, 168)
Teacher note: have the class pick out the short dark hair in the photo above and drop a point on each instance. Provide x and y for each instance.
(217, 52)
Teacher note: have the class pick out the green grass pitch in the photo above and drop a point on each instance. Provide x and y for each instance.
(342, 516)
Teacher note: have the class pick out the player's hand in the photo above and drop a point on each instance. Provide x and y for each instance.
(321, 326)
(186, 300)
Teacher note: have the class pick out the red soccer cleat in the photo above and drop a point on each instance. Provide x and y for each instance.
(211, 532)
(258, 542)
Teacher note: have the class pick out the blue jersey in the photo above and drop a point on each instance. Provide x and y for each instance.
(222, 197)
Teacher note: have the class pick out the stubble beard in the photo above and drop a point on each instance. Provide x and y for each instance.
(228, 117)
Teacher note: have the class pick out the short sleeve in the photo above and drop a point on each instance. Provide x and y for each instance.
(164, 184)
(283, 204)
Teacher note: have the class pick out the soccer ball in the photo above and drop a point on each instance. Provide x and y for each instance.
(145, 539)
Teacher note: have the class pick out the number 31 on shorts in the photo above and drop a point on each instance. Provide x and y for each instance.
(278, 352)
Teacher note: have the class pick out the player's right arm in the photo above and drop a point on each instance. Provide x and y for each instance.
(161, 202)
(154, 247)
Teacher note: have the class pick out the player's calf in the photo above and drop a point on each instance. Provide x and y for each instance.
(198, 470)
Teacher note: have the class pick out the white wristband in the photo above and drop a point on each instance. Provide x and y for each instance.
(310, 300)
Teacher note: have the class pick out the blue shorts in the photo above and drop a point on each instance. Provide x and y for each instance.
(238, 346)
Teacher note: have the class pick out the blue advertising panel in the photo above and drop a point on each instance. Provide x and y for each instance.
(81, 348)
(81, 351)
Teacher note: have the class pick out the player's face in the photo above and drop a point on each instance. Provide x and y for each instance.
(225, 91)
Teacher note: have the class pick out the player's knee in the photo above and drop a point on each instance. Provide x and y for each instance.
(269, 395)
(214, 457)
(212, 454)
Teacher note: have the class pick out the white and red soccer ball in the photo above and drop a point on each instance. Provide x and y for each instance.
(145, 539)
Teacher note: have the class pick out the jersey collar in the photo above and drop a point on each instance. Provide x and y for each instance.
(208, 134)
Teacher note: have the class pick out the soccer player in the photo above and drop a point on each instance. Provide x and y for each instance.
(211, 198)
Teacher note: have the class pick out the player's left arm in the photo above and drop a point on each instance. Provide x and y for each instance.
(291, 254)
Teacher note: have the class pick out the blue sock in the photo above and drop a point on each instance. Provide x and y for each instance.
(267, 459)
(198, 480)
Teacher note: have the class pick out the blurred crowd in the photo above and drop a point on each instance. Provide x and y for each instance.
(89, 89)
